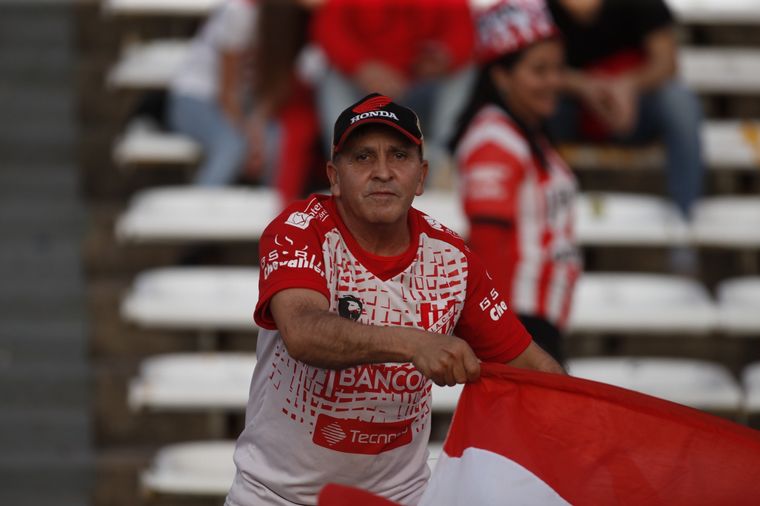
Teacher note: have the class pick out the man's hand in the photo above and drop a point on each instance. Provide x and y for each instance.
(376, 76)
(446, 360)
(613, 102)
(621, 96)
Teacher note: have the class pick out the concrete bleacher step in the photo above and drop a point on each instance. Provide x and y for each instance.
(27, 180)
(40, 213)
(44, 384)
(62, 340)
(28, 25)
(53, 259)
(45, 478)
(34, 65)
(43, 430)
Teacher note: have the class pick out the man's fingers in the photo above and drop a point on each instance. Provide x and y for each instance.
(471, 367)
(459, 372)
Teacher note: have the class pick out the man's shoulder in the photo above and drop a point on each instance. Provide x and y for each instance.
(434, 229)
(311, 213)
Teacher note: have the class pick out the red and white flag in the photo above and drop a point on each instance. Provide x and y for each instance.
(525, 437)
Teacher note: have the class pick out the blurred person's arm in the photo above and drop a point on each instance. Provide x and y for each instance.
(230, 86)
(453, 45)
(659, 66)
(232, 32)
(659, 62)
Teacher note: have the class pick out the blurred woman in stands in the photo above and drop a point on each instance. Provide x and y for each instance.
(207, 97)
(240, 96)
(518, 193)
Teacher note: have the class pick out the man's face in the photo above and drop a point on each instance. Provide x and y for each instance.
(376, 175)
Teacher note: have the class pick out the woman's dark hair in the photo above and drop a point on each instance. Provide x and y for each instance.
(484, 93)
(281, 33)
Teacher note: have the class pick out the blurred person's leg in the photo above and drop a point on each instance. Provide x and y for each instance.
(673, 113)
(335, 92)
(224, 147)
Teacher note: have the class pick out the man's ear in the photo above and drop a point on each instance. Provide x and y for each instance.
(423, 176)
(332, 176)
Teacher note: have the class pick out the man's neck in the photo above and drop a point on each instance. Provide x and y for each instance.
(378, 239)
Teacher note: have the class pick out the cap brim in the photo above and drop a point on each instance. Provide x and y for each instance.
(337, 147)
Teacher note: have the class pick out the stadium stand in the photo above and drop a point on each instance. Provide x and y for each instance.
(738, 313)
(727, 221)
(143, 144)
(688, 11)
(151, 65)
(148, 65)
(159, 7)
(641, 304)
(193, 468)
(751, 382)
(192, 381)
(699, 384)
(195, 298)
(160, 389)
(623, 219)
(196, 213)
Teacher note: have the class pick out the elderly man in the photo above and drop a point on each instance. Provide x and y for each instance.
(364, 302)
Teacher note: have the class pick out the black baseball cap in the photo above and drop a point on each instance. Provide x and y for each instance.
(376, 108)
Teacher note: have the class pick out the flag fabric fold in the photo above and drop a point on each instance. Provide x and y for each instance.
(526, 437)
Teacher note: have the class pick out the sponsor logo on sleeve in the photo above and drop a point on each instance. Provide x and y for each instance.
(493, 306)
(299, 220)
(293, 259)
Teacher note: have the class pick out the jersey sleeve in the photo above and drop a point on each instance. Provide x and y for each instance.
(492, 178)
(290, 256)
(486, 322)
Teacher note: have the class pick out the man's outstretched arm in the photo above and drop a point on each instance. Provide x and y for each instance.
(318, 337)
(534, 357)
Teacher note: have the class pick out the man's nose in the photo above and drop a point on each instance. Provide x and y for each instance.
(382, 169)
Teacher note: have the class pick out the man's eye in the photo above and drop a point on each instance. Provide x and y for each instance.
(362, 157)
(400, 155)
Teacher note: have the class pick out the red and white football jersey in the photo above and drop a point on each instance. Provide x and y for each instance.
(368, 425)
(503, 182)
